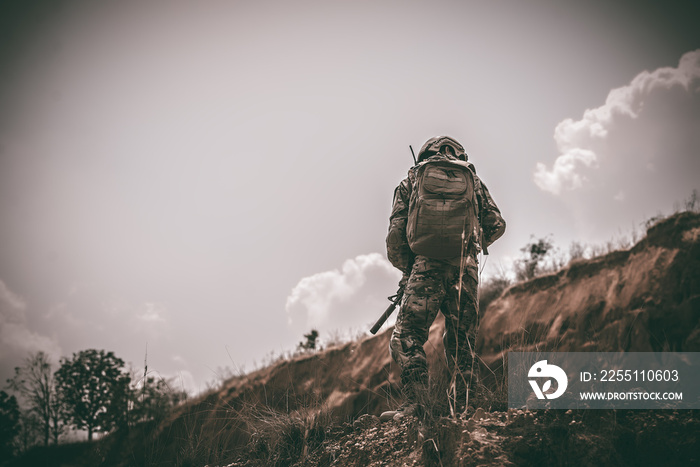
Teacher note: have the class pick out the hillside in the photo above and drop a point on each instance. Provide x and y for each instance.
(643, 299)
(319, 409)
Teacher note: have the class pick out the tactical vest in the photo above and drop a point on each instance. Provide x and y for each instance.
(442, 214)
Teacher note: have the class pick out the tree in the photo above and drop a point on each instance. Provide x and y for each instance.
(56, 411)
(35, 383)
(154, 399)
(29, 429)
(9, 424)
(93, 389)
(117, 409)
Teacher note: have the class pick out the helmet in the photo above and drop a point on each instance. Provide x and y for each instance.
(434, 145)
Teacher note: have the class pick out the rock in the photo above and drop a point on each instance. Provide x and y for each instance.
(365, 421)
(479, 414)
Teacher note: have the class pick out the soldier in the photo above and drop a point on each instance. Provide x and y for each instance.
(442, 216)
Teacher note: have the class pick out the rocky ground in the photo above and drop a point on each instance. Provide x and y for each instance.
(514, 437)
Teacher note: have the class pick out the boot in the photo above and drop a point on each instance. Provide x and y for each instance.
(405, 410)
(414, 399)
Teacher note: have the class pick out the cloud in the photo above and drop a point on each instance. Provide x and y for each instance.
(660, 98)
(9, 300)
(17, 341)
(340, 299)
(151, 312)
(639, 149)
(564, 172)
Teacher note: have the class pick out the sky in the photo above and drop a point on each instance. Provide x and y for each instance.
(199, 184)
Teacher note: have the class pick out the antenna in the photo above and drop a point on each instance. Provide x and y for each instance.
(415, 162)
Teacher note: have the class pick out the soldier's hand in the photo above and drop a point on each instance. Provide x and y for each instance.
(403, 281)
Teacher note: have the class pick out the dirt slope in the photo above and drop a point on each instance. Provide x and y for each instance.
(644, 299)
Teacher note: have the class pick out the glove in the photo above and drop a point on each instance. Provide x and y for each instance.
(403, 281)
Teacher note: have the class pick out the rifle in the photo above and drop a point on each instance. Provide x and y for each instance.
(395, 300)
(482, 238)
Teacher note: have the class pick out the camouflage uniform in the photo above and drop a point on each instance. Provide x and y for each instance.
(448, 285)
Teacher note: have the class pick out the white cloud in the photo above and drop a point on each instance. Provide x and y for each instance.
(151, 312)
(649, 120)
(633, 157)
(17, 341)
(340, 299)
(564, 174)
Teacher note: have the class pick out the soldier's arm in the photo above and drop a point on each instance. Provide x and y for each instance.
(398, 251)
(492, 222)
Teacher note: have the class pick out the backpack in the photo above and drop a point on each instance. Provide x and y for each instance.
(442, 208)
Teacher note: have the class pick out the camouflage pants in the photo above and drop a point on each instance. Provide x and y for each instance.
(434, 286)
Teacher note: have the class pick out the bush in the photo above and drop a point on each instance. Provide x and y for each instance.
(491, 289)
(532, 262)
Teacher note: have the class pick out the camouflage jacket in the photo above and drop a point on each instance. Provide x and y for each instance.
(398, 251)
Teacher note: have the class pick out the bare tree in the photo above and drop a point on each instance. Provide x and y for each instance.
(29, 430)
(56, 411)
(35, 384)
